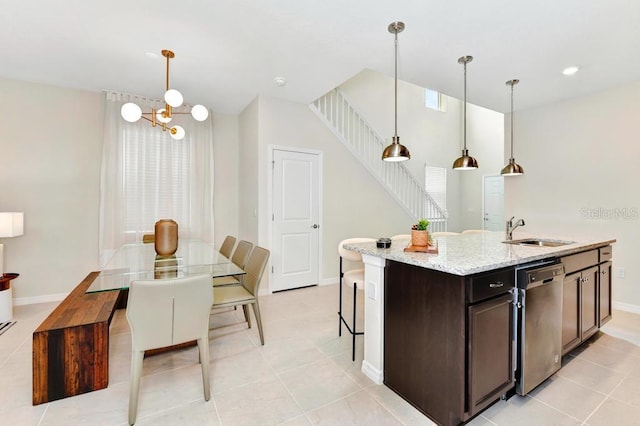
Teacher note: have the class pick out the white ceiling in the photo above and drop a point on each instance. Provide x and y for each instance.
(229, 52)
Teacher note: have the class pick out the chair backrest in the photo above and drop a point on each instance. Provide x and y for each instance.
(474, 231)
(254, 269)
(352, 255)
(401, 237)
(241, 254)
(227, 246)
(444, 233)
(167, 312)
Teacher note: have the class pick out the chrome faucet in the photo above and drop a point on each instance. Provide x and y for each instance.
(511, 227)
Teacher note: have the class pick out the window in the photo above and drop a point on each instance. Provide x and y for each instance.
(434, 100)
(156, 178)
(436, 184)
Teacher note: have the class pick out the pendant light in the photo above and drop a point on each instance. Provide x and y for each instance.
(513, 168)
(465, 162)
(396, 151)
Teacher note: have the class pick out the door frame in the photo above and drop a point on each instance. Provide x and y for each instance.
(271, 148)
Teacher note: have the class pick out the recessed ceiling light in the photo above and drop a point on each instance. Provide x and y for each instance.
(570, 70)
(280, 81)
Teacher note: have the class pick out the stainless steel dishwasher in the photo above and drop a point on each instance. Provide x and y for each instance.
(538, 324)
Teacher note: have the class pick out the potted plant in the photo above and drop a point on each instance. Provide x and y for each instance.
(420, 234)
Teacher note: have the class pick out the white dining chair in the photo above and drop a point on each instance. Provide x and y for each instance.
(167, 312)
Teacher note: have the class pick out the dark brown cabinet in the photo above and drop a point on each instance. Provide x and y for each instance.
(448, 339)
(581, 300)
(490, 371)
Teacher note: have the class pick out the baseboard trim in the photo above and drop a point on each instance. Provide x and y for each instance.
(329, 281)
(17, 301)
(373, 373)
(627, 307)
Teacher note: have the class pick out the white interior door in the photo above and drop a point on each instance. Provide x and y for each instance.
(296, 215)
(493, 203)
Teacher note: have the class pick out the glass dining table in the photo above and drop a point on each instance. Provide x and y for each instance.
(139, 261)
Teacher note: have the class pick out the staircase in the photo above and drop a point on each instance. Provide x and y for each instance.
(367, 146)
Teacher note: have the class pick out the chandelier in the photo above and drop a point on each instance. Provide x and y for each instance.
(131, 112)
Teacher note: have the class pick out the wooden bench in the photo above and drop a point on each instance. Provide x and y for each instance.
(71, 346)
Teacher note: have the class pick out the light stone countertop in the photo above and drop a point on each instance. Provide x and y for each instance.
(467, 254)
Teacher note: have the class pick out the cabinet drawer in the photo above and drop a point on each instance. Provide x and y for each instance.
(605, 253)
(579, 261)
(484, 286)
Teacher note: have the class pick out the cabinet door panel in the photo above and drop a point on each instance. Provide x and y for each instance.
(589, 302)
(604, 284)
(571, 312)
(490, 351)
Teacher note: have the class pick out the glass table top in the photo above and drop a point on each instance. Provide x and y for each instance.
(140, 262)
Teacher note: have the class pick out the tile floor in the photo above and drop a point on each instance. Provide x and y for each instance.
(304, 376)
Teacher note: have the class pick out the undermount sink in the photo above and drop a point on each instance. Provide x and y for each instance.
(540, 242)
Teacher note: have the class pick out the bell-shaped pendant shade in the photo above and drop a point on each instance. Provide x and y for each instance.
(465, 161)
(512, 169)
(396, 151)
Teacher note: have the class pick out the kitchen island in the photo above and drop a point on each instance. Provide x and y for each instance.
(439, 327)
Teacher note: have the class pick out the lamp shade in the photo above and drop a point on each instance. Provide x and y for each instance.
(512, 169)
(161, 117)
(11, 224)
(465, 162)
(396, 151)
(173, 98)
(199, 112)
(177, 132)
(131, 112)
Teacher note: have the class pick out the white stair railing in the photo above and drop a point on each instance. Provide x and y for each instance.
(366, 145)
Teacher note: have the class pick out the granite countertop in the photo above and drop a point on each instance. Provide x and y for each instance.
(467, 254)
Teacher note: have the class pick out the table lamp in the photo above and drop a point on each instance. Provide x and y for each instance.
(11, 225)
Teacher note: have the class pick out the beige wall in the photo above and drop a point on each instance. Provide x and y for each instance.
(50, 152)
(248, 177)
(579, 158)
(226, 176)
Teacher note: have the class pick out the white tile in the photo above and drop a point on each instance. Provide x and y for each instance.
(356, 409)
(318, 384)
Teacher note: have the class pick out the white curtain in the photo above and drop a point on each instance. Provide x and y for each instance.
(146, 175)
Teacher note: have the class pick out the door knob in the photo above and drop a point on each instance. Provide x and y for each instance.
(315, 226)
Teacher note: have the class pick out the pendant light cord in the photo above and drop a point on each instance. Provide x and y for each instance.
(465, 107)
(512, 120)
(395, 88)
